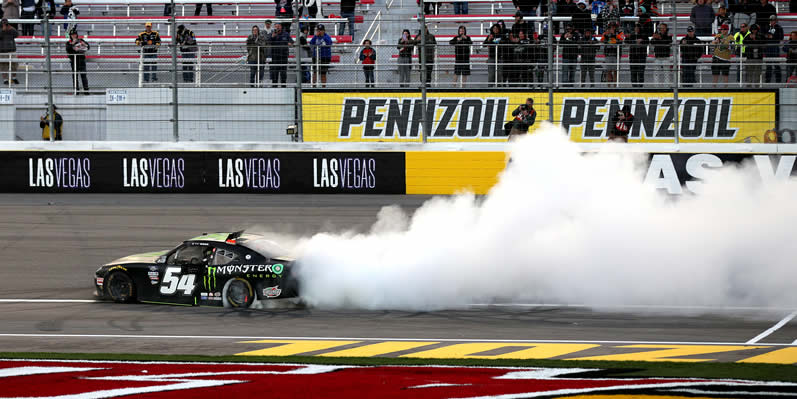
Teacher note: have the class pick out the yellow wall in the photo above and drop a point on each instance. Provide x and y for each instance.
(435, 172)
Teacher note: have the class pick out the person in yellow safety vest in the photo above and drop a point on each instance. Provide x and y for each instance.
(739, 37)
(44, 124)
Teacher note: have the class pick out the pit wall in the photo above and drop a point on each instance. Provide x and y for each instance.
(118, 167)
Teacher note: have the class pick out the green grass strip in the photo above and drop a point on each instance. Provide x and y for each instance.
(748, 371)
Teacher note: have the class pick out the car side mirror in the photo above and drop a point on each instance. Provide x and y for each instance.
(161, 259)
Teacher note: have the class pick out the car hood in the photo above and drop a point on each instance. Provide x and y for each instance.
(149, 257)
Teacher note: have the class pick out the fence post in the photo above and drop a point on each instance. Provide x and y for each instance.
(676, 63)
(175, 108)
(50, 105)
(550, 61)
(298, 49)
(424, 121)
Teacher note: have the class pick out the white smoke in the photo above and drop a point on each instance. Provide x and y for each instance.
(565, 227)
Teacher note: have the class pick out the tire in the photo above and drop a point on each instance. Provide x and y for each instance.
(237, 293)
(120, 287)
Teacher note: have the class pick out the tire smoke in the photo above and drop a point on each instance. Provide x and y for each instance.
(564, 227)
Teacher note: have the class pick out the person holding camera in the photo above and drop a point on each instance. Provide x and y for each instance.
(8, 49)
(523, 117)
(405, 57)
(76, 48)
(461, 43)
(621, 124)
(188, 49)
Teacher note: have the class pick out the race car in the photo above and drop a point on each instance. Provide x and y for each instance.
(236, 270)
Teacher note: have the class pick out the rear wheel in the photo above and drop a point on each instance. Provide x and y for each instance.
(238, 293)
(120, 287)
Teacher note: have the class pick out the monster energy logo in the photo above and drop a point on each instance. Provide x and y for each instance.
(210, 279)
(276, 269)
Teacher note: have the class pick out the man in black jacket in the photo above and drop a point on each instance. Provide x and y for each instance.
(521, 25)
(691, 50)
(755, 46)
(589, 48)
(637, 56)
(570, 42)
(582, 17)
(662, 43)
(774, 37)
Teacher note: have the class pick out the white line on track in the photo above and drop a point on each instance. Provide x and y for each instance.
(253, 338)
(48, 300)
(773, 328)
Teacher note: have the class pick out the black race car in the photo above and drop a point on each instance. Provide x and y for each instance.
(220, 269)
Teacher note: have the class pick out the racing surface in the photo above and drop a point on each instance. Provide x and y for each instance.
(53, 243)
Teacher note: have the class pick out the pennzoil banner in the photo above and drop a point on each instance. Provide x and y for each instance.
(474, 116)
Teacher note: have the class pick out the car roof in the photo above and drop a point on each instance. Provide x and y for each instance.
(255, 242)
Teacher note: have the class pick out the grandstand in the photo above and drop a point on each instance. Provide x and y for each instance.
(115, 62)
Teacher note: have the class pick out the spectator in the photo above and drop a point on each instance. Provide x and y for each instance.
(621, 124)
(461, 7)
(44, 124)
(582, 17)
(739, 37)
(8, 49)
(504, 30)
(280, 40)
(691, 50)
(608, 15)
(596, 7)
(721, 60)
(521, 54)
(662, 44)
(347, 11)
(11, 10)
(309, 8)
(256, 56)
(284, 10)
(742, 10)
(637, 56)
(404, 47)
(588, 50)
(149, 40)
(723, 18)
(539, 57)
(774, 37)
(70, 13)
(188, 50)
(527, 7)
(306, 52)
(267, 28)
(28, 12)
(321, 44)
(50, 8)
(569, 42)
(76, 48)
(493, 41)
(627, 10)
(645, 22)
(791, 55)
(198, 9)
(429, 8)
(763, 12)
(368, 58)
(564, 8)
(702, 18)
(462, 44)
(612, 51)
(521, 25)
(427, 54)
(754, 60)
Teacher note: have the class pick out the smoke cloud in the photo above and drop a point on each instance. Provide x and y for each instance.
(563, 227)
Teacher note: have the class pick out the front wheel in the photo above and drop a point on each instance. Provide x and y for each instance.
(120, 287)
(237, 293)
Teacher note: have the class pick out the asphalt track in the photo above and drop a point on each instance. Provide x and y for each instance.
(51, 245)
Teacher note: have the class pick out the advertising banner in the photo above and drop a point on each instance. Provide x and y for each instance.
(203, 172)
(479, 116)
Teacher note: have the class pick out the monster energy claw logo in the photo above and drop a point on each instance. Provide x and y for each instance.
(210, 279)
(277, 269)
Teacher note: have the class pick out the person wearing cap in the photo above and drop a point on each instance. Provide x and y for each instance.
(763, 11)
(8, 49)
(721, 59)
(188, 50)
(521, 25)
(754, 56)
(44, 124)
(267, 28)
(76, 48)
(149, 40)
(702, 18)
(588, 49)
(774, 36)
(582, 17)
(739, 37)
(691, 50)
(620, 125)
(637, 55)
(321, 45)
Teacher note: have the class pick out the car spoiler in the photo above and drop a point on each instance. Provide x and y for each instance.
(233, 236)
